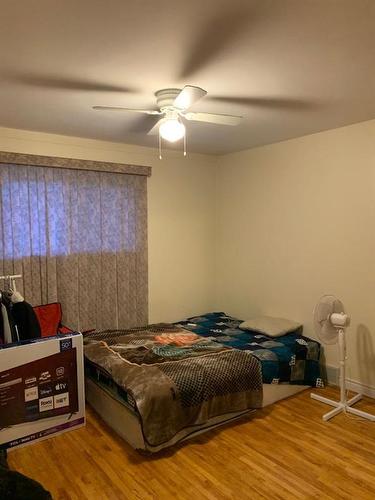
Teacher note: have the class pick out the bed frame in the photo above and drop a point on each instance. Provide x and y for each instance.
(122, 419)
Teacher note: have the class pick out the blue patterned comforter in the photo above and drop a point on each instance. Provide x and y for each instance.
(291, 358)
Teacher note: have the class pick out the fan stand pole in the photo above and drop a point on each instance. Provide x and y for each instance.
(343, 405)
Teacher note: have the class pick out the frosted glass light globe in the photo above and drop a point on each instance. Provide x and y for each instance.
(172, 130)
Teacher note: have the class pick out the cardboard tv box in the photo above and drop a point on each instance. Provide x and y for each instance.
(41, 389)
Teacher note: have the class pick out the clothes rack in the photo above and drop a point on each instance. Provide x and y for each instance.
(12, 279)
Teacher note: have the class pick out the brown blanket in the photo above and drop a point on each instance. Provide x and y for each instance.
(176, 378)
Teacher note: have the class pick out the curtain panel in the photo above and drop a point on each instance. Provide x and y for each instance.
(78, 237)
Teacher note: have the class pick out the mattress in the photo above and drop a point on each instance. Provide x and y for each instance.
(271, 392)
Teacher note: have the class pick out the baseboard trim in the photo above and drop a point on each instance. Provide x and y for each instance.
(355, 386)
(352, 385)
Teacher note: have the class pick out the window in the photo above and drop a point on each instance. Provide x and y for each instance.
(77, 236)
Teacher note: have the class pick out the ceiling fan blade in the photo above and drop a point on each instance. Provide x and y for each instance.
(143, 123)
(214, 35)
(213, 118)
(119, 108)
(188, 96)
(155, 129)
(59, 82)
(277, 103)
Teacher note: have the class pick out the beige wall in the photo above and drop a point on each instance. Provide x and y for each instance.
(181, 215)
(297, 220)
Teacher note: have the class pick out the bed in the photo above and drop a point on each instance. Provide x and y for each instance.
(162, 384)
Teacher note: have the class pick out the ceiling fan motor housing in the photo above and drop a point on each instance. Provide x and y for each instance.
(166, 97)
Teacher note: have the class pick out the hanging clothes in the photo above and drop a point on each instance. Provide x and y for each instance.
(18, 320)
(2, 340)
(8, 321)
(25, 319)
(7, 330)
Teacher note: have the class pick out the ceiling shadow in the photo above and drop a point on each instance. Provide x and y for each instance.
(217, 34)
(278, 103)
(65, 83)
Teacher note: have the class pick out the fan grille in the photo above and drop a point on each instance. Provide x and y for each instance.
(327, 305)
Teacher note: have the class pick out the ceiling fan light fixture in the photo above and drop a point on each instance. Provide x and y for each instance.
(172, 130)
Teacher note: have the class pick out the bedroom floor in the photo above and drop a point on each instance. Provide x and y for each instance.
(285, 451)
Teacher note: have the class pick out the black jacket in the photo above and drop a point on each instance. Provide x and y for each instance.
(26, 321)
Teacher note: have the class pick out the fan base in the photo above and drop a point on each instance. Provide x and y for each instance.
(343, 406)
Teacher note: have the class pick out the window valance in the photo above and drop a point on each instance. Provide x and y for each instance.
(72, 163)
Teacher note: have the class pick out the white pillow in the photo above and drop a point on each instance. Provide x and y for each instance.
(273, 327)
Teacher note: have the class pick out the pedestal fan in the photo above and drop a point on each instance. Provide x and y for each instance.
(330, 322)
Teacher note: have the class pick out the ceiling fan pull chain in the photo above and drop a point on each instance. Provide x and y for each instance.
(160, 156)
(185, 143)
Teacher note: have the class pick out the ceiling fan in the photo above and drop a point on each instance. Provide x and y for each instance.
(232, 20)
(174, 105)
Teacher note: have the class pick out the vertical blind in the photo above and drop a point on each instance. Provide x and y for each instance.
(78, 237)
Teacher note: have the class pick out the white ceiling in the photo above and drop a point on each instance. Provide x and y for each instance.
(290, 67)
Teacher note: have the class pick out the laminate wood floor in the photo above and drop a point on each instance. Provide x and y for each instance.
(284, 451)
